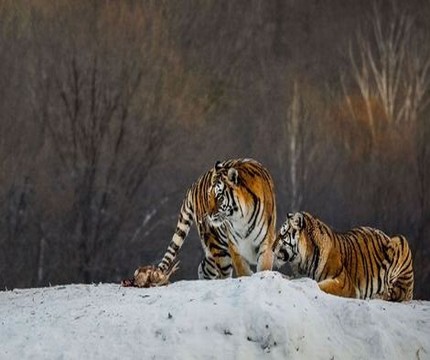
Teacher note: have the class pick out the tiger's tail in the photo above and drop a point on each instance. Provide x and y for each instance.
(183, 226)
(401, 275)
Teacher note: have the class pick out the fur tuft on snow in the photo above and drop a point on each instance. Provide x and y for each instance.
(262, 316)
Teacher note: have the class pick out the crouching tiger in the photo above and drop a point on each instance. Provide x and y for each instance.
(233, 207)
(362, 263)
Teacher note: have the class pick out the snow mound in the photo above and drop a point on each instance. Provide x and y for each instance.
(262, 316)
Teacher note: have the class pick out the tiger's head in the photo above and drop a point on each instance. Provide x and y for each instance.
(285, 246)
(222, 194)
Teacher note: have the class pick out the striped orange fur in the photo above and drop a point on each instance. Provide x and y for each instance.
(233, 207)
(361, 263)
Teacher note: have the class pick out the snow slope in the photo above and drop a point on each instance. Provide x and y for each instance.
(260, 317)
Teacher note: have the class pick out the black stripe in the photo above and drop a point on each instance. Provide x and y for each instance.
(315, 261)
(171, 252)
(365, 276)
(340, 240)
(182, 234)
(375, 252)
(165, 261)
(353, 258)
(208, 273)
(225, 268)
(184, 221)
(255, 200)
(174, 246)
(311, 268)
(369, 265)
(262, 238)
(324, 270)
(254, 216)
(222, 251)
(407, 263)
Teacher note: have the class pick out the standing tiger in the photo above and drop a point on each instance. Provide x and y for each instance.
(233, 207)
(362, 263)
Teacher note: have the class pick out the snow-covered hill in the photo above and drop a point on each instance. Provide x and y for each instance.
(263, 316)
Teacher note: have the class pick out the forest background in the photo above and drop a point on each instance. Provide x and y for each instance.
(111, 109)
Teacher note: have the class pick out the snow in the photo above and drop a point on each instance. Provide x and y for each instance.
(264, 316)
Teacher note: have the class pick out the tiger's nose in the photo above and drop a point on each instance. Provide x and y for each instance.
(283, 255)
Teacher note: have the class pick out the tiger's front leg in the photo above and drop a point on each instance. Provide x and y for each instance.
(339, 285)
(265, 261)
(241, 266)
(265, 256)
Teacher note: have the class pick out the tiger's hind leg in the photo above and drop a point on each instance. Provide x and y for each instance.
(210, 269)
(340, 285)
(217, 264)
(401, 290)
(217, 261)
(241, 266)
(400, 271)
(207, 270)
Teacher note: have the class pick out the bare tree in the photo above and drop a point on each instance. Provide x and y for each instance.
(294, 143)
(390, 66)
(302, 152)
(106, 138)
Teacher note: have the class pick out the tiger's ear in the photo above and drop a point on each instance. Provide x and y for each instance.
(297, 221)
(218, 165)
(233, 175)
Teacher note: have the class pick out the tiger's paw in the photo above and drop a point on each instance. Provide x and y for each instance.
(150, 276)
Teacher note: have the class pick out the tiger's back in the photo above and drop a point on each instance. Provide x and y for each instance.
(379, 266)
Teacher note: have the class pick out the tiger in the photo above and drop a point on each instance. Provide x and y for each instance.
(233, 207)
(362, 263)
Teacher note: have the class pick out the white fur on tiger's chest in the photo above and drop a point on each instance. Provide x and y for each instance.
(247, 241)
(248, 251)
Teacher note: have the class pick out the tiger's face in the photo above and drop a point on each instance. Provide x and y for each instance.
(222, 196)
(286, 244)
